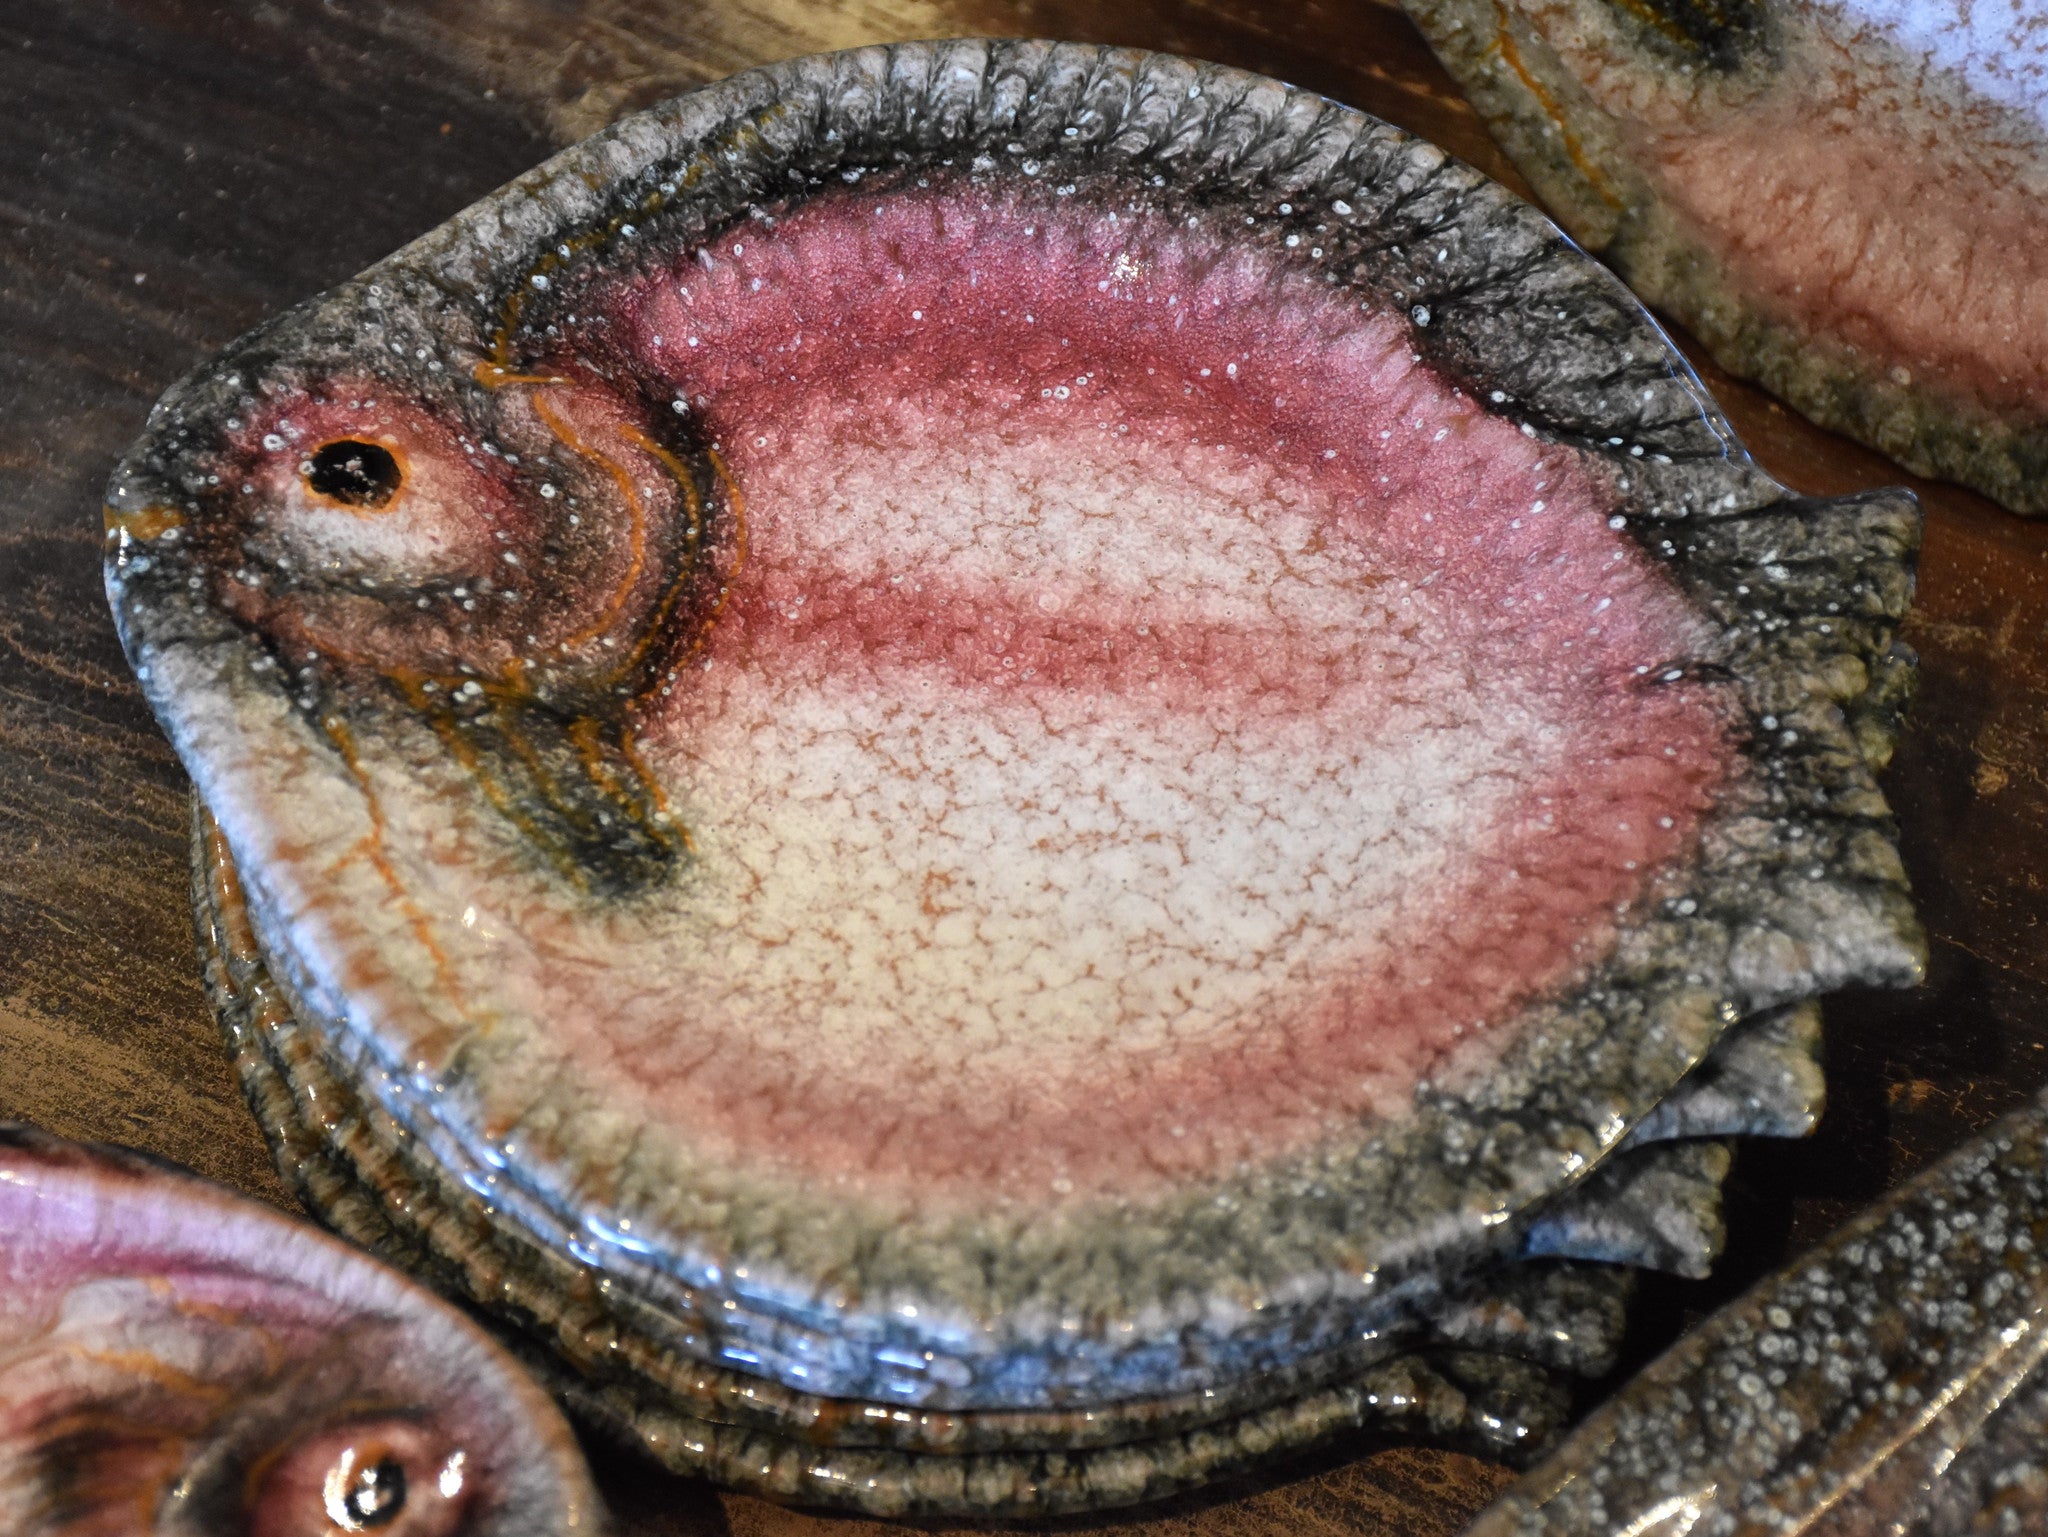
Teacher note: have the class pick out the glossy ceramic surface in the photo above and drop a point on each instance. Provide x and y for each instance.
(1842, 200)
(1892, 1380)
(175, 1360)
(424, 580)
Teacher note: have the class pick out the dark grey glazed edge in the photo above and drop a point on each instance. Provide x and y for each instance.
(1798, 890)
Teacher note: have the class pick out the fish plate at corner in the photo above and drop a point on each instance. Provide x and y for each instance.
(1841, 198)
(998, 774)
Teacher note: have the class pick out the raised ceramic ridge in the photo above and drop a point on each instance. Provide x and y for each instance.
(1890, 1379)
(1798, 887)
(1478, 1365)
(1574, 155)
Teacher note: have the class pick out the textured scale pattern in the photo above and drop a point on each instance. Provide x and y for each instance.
(1005, 757)
(181, 1362)
(1890, 1381)
(1842, 198)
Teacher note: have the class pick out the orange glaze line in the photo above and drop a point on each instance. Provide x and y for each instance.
(496, 375)
(373, 847)
(1512, 56)
(745, 135)
(681, 474)
(624, 480)
(583, 736)
(550, 787)
(1671, 29)
(687, 484)
(140, 1364)
(466, 754)
(143, 524)
(631, 752)
(693, 538)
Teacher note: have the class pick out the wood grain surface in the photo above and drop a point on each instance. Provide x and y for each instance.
(172, 172)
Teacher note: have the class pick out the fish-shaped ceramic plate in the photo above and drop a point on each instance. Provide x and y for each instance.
(181, 1362)
(987, 750)
(1846, 200)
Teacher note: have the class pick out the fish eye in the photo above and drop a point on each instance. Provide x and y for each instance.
(392, 1478)
(354, 473)
(364, 1489)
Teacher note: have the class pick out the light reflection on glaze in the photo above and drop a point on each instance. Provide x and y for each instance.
(1843, 198)
(1890, 1382)
(527, 1015)
(1021, 679)
(179, 1362)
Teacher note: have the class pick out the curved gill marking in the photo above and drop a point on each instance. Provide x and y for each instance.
(372, 847)
(511, 690)
(442, 721)
(680, 472)
(739, 553)
(623, 479)
(583, 736)
(741, 137)
(1511, 55)
(629, 750)
(693, 538)
(510, 693)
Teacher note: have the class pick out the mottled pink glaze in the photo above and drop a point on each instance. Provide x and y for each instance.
(1138, 718)
(1885, 185)
(1155, 719)
(1933, 264)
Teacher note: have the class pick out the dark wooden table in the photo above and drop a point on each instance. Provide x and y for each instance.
(171, 172)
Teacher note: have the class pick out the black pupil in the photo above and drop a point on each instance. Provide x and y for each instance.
(378, 1494)
(355, 474)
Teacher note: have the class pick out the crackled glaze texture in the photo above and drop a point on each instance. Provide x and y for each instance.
(1005, 730)
(1097, 768)
(1891, 1381)
(178, 1361)
(1843, 199)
